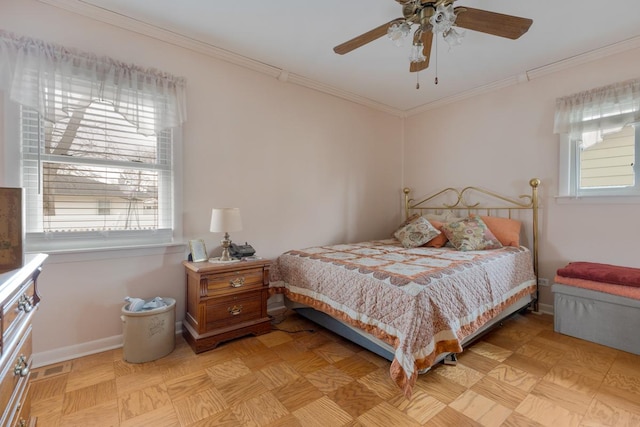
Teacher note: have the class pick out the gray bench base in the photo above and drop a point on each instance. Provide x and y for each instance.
(598, 317)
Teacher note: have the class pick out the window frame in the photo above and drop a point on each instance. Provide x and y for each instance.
(54, 242)
(569, 172)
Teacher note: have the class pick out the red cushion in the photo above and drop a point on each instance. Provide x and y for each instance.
(605, 273)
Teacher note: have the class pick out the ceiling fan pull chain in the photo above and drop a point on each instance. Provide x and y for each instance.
(418, 80)
(436, 79)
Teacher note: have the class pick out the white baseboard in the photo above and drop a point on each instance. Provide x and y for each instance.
(275, 303)
(63, 354)
(545, 308)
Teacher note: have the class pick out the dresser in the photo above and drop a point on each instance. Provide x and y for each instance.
(225, 301)
(18, 301)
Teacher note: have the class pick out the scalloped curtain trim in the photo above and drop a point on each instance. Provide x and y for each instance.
(55, 80)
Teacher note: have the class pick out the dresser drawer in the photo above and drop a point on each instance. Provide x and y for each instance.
(241, 280)
(233, 309)
(15, 309)
(14, 384)
(23, 419)
(22, 410)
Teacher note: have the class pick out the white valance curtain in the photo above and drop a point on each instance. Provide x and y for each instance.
(54, 80)
(591, 114)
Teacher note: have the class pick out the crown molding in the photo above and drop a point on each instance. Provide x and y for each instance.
(313, 84)
(173, 37)
(612, 49)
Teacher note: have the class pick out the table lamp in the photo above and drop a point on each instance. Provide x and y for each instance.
(224, 220)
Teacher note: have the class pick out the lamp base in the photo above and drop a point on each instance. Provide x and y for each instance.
(226, 242)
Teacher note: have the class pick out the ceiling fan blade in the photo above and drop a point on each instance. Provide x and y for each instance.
(365, 38)
(427, 40)
(497, 24)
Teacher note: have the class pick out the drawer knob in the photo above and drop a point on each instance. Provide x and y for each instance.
(24, 303)
(21, 367)
(235, 310)
(236, 283)
(22, 423)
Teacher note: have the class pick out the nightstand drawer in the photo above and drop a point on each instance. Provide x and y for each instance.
(228, 311)
(236, 281)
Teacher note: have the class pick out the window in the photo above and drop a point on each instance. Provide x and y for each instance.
(600, 141)
(97, 144)
(92, 177)
(104, 206)
(606, 167)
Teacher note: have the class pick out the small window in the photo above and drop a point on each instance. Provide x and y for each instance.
(601, 165)
(600, 142)
(609, 163)
(104, 207)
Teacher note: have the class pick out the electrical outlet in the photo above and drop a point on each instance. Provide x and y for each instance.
(542, 281)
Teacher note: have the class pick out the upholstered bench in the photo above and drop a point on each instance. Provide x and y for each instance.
(599, 303)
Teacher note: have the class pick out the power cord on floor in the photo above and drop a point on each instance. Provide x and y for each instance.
(296, 331)
(277, 319)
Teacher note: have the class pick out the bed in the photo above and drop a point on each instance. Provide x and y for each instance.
(417, 303)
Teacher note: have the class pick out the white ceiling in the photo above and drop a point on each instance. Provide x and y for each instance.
(298, 36)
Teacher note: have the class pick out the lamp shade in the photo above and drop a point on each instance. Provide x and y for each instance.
(225, 219)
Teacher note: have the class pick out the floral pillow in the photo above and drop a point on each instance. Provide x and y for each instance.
(470, 234)
(416, 233)
(405, 222)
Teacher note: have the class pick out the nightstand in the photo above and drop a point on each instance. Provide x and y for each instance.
(225, 301)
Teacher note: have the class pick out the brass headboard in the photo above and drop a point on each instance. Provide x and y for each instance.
(461, 200)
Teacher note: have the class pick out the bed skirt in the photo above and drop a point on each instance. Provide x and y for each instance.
(385, 350)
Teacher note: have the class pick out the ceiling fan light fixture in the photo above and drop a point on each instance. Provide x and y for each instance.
(398, 32)
(416, 54)
(442, 19)
(453, 37)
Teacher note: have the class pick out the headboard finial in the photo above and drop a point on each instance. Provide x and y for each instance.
(406, 190)
(534, 182)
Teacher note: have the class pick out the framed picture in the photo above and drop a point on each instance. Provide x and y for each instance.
(198, 250)
(11, 254)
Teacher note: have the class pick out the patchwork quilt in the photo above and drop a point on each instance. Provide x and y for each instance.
(422, 301)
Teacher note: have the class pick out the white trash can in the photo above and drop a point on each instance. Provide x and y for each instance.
(149, 334)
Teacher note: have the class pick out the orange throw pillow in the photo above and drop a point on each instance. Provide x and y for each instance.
(506, 230)
(440, 240)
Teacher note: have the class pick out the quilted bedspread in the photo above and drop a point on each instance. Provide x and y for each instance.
(422, 301)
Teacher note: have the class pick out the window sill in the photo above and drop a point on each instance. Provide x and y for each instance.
(94, 254)
(598, 200)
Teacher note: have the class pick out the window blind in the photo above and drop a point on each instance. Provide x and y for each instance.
(93, 177)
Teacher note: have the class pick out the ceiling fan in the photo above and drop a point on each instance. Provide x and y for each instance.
(439, 16)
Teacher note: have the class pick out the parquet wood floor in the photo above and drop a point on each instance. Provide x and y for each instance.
(521, 374)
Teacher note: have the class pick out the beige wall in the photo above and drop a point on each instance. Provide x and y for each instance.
(304, 167)
(502, 139)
